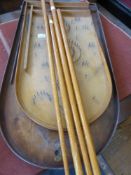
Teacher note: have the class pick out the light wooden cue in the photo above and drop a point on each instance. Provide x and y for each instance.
(28, 39)
(72, 99)
(66, 105)
(54, 87)
(85, 123)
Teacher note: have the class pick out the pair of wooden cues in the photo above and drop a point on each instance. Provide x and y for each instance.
(74, 113)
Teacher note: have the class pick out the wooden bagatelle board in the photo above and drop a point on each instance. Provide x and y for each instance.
(32, 142)
(33, 84)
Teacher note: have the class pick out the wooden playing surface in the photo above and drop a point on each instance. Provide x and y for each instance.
(33, 84)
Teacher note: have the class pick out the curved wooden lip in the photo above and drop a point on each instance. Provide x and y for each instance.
(47, 125)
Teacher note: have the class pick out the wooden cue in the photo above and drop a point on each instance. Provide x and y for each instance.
(20, 45)
(54, 87)
(66, 105)
(85, 123)
(72, 99)
(28, 39)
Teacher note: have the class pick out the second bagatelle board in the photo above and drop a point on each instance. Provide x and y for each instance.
(33, 84)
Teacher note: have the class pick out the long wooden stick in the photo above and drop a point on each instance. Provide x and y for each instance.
(28, 38)
(54, 87)
(66, 105)
(71, 94)
(85, 123)
(20, 45)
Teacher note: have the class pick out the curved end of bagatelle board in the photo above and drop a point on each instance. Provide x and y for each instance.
(33, 84)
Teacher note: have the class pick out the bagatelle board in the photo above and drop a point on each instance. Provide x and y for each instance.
(27, 111)
(33, 84)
